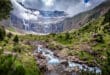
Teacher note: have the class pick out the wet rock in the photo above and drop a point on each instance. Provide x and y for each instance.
(75, 59)
(58, 62)
(91, 64)
(64, 62)
(76, 69)
(50, 67)
(60, 68)
(42, 65)
(71, 71)
(71, 58)
(56, 53)
(40, 56)
(68, 70)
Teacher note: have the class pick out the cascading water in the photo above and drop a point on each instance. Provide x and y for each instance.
(26, 25)
(47, 16)
(53, 60)
(49, 55)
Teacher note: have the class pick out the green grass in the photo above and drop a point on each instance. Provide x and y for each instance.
(24, 57)
(94, 34)
(11, 29)
(99, 44)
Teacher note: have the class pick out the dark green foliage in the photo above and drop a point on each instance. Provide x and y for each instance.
(2, 33)
(9, 35)
(20, 70)
(1, 51)
(107, 17)
(98, 38)
(64, 38)
(106, 28)
(5, 7)
(17, 48)
(67, 36)
(53, 34)
(106, 23)
(94, 35)
(7, 66)
(88, 73)
(106, 67)
(13, 61)
(16, 39)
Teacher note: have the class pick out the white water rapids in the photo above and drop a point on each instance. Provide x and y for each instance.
(53, 60)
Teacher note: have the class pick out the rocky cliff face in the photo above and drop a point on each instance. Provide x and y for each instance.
(82, 18)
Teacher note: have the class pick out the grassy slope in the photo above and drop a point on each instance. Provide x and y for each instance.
(23, 52)
(8, 46)
(90, 43)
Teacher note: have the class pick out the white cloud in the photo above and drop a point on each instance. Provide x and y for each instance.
(48, 3)
(72, 7)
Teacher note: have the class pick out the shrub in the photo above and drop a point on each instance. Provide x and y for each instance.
(16, 39)
(2, 33)
(17, 48)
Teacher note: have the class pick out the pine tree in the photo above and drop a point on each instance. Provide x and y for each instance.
(5, 7)
(16, 39)
(2, 33)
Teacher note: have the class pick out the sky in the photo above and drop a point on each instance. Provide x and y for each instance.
(71, 7)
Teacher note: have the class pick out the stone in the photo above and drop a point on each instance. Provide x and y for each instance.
(50, 67)
(64, 62)
(42, 65)
(76, 69)
(40, 56)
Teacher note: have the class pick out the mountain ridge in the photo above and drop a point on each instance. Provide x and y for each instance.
(84, 17)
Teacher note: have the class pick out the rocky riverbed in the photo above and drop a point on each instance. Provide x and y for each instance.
(52, 64)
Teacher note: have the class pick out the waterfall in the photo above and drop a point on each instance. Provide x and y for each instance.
(26, 25)
(71, 7)
(53, 60)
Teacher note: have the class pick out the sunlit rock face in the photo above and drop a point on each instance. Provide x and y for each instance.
(47, 16)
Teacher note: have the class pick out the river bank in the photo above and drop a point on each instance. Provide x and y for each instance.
(52, 64)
